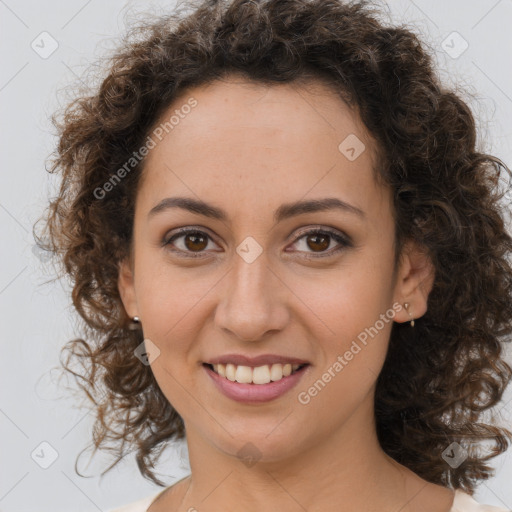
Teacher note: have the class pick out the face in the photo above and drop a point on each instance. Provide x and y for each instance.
(264, 277)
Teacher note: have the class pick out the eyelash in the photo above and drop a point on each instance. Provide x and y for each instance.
(344, 242)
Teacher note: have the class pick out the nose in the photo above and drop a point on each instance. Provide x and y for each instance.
(253, 300)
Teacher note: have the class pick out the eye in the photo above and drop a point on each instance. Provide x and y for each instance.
(193, 242)
(320, 240)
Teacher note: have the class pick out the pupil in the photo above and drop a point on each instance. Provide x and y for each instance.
(195, 237)
(325, 243)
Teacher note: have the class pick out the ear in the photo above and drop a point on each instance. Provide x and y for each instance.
(415, 278)
(126, 287)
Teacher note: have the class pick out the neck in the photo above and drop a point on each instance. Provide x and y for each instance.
(342, 470)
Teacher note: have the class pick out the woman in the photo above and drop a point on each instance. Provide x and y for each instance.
(286, 247)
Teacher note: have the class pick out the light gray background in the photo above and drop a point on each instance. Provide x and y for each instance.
(37, 319)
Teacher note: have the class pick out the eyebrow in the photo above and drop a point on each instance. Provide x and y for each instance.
(285, 211)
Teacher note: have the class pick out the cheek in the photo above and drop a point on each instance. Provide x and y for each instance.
(352, 352)
(350, 297)
(167, 294)
(170, 305)
(352, 316)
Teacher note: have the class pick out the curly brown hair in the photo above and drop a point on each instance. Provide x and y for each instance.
(446, 197)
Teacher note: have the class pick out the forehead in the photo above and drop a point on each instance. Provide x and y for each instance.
(261, 144)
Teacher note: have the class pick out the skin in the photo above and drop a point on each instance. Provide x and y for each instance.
(247, 148)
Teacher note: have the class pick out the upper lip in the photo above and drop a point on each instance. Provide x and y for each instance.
(242, 360)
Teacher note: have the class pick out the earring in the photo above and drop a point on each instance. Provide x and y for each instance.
(135, 324)
(406, 306)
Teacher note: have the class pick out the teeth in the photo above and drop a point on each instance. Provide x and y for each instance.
(257, 375)
(243, 374)
(261, 375)
(230, 372)
(220, 369)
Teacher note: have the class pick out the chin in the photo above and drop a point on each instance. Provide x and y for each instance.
(267, 443)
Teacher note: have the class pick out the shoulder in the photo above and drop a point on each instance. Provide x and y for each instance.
(464, 502)
(141, 505)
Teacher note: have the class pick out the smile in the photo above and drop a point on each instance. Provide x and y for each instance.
(255, 375)
(249, 391)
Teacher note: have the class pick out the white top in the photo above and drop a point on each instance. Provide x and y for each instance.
(462, 502)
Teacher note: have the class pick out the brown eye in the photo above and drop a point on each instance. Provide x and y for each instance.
(318, 242)
(195, 241)
(192, 242)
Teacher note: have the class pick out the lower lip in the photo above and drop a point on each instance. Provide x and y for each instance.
(255, 393)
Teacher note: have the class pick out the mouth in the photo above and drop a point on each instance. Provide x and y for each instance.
(255, 385)
(257, 375)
